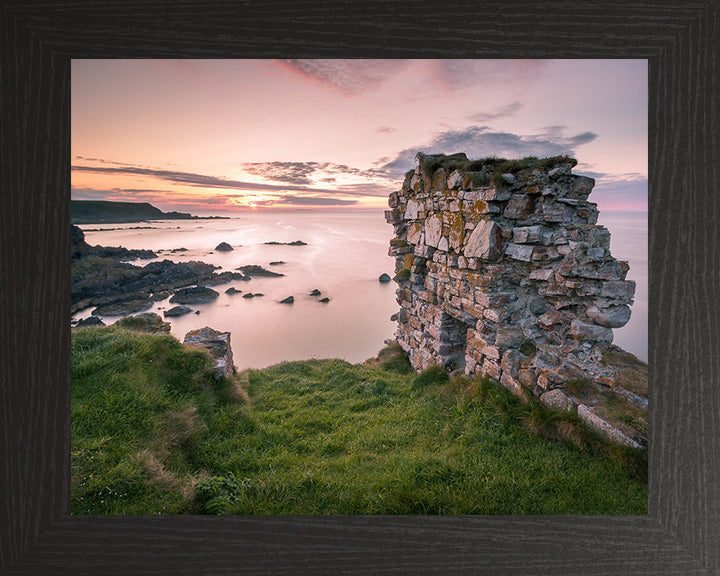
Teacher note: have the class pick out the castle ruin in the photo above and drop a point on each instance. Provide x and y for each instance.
(502, 271)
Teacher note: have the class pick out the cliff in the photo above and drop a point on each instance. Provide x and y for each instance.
(101, 211)
(502, 271)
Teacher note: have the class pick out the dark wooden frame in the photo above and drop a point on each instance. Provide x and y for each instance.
(681, 534)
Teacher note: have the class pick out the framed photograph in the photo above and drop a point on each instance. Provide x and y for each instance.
(45, 47)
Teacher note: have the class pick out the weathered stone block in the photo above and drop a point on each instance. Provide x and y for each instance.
(543, 274)
(511, 362)
(433, 230)
(411, 209)
(454, 180)
(618, 289)
(496, 194)
(485, 241)
(611, 317)
(557, 400)
(604, 427)
(527, 234)
(217, 344)
(519, 206)
(523, 252)
(583, 331)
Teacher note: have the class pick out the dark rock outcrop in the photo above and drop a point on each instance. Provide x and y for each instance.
(177, 311)
(90, 321)
(288, 300)
(295, 243)
(223, 247)
(254, 270)
(384, 278)
(123, 306)
(194, 295)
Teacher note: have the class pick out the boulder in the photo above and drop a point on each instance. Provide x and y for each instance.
(223, 247)
(232, 290)
(177, 311)
(557, 400)
(217, 344)
(324, 300)
(612, 317)
(249, 295)
(288, 300)
(277, 263)
(384, 278)
(315, 292)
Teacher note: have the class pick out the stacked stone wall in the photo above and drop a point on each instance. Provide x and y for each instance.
(503, 271)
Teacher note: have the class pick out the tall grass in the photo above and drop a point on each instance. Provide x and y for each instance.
(153, 432)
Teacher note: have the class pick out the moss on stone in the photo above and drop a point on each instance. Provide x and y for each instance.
(632, 373)
(402, 275)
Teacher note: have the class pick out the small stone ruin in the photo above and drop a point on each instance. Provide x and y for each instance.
(502, 271)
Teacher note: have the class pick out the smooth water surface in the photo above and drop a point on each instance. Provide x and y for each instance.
(346, 252)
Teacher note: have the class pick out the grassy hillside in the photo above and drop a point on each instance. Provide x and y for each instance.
(153, 433)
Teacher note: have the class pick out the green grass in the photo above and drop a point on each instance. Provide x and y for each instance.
(490, 166)
(153, 433)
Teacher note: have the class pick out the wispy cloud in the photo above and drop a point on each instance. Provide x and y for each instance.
(348, 76)
(354, 76)
(481, 141)
(301, 172)
(305, 201)
(205, 181)
(455, 74)
(385, 130)
(504, 112)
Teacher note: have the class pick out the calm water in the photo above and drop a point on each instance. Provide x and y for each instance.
(346, 253)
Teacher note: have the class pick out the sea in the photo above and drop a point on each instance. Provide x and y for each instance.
(345, 253)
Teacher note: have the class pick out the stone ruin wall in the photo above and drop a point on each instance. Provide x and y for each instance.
(506, 275)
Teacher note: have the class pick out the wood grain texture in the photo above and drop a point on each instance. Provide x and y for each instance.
(681, 535)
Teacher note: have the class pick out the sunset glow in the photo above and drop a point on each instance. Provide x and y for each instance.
(223, 135)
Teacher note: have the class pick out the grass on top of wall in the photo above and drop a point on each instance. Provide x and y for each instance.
(154, 433)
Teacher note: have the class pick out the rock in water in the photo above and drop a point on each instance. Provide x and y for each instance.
(384, 278)
(288, 300)
(324, 300)
(232, 290)
(177, 311)
(315, 292)
(194, 295)
(223, 247)
(255, 270)
(217, 344)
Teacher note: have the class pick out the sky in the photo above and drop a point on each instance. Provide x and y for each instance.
(224, 135)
